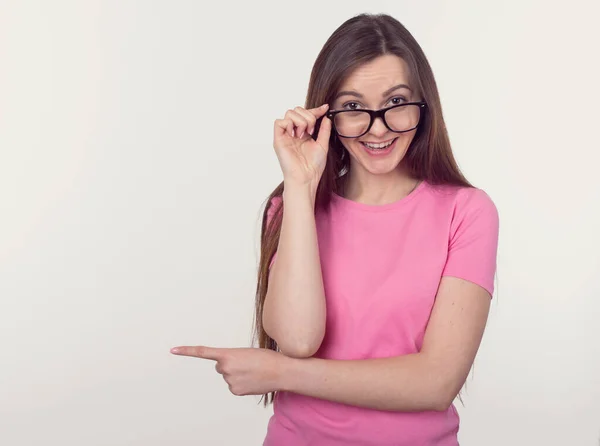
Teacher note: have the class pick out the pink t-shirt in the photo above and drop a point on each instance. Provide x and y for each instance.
(382, 266)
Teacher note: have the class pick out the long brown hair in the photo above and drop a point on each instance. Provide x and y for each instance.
(357, 41)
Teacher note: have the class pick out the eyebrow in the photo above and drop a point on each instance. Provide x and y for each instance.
(358, 95)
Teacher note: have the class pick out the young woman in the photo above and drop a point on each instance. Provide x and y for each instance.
(371, 313)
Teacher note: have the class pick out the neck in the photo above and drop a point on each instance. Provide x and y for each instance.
(364, 187)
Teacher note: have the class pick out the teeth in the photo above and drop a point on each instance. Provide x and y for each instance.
(378, 146)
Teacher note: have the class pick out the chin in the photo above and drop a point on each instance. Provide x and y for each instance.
(379, 168)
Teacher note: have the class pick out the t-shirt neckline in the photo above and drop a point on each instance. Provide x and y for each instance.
(351, 204)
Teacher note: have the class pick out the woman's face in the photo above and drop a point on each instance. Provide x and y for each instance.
(378, 84)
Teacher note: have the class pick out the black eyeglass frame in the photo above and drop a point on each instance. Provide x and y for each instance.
(378, 114)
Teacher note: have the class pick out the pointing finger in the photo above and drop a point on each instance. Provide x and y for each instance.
(198, 352)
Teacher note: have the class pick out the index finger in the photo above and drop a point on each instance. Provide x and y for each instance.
(197, 351)
(319, 111)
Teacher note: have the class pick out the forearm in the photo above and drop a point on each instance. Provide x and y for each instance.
(408, 383)
(294, 311)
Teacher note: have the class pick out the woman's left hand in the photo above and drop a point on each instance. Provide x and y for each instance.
(247, 371)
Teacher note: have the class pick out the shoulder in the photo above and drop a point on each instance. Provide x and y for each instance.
(472, 200)
(276, 200)
(464, 201)
(472, 237)
(273, 206)
(472, 215)
(274, 203)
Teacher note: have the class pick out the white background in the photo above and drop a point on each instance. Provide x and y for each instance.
(136, 153)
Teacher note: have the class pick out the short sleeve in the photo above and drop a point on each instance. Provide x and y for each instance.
(272, 208)
(473, 241)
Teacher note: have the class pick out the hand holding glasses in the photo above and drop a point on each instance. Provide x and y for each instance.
(301, 144)
(302, 154)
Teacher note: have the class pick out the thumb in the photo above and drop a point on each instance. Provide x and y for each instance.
(324, 133)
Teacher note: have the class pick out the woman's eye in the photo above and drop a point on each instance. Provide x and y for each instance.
(399, 98)
(355, 105)
(350, 105)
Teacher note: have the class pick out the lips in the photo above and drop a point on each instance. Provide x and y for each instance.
(384, 143)
(380, 152)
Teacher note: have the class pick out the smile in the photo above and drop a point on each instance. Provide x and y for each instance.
(379, 149)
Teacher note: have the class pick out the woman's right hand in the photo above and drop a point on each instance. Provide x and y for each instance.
(302, 158)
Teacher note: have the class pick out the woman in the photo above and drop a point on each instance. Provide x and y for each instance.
(371, 313)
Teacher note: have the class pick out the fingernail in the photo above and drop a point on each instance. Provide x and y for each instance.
(301, 134)
(311, 131)
(175, 350)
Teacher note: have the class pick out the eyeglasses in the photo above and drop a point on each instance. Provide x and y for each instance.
(399, 118)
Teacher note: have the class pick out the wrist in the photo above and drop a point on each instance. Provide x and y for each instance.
(295, 190)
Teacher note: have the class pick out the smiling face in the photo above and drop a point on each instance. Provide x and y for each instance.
(381, 83)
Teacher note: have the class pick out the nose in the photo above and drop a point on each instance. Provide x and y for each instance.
(378, 129)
